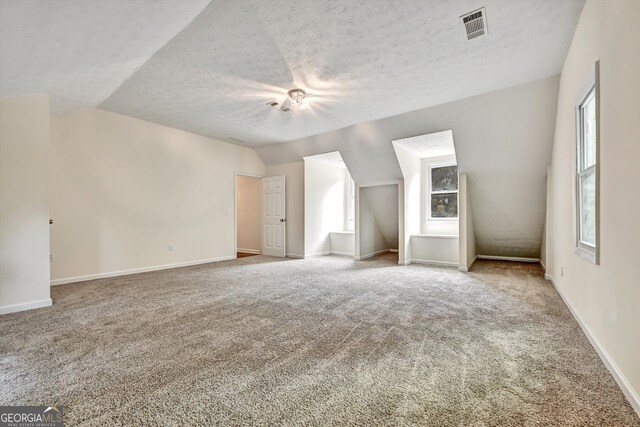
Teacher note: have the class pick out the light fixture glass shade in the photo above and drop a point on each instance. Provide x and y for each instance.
(297, 97)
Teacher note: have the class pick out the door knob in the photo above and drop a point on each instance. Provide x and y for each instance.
(282, 220)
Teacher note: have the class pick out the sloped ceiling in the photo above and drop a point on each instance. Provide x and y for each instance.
(209, 68)
(430, 145)
(80, 51)
(502, 141)
(212, 74)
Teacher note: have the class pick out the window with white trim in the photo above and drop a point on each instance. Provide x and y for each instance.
(442, 194)
(586, 175)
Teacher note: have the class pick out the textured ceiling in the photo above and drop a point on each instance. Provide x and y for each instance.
(210, 69)
(358, 59)
(80, 51)
(333, 158)
(430, 145)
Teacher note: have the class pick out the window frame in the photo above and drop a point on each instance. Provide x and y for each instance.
(351, 203)
(427, 167)
(588, 251)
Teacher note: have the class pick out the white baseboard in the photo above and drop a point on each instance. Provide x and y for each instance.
(341, 253)
(407, 262)
(297, 256)
(468, 267)
(544, 267)
(508, 258)
(13, 308)
(623, 383)
(393, 250)
(249, 251)
(363, 257)
(318, 254)
(67, 280)
(434, 263)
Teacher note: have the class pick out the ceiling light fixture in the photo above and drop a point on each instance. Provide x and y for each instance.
(297, 97)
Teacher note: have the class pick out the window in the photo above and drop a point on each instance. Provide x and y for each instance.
(587, 175)
(443, 192)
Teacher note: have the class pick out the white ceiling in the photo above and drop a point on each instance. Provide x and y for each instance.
(80, 51)
(333, 158)
(435, 144)
(358, 59)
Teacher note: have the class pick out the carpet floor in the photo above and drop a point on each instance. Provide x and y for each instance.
(322, 341)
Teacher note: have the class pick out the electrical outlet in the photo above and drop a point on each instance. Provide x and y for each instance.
(171, 247)
(51, 258)
(561, 271)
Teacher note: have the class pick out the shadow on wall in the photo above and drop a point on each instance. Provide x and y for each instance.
(378, 220)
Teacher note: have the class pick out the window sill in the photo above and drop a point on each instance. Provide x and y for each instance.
(435, 236)
(588, 254)
(342, 232)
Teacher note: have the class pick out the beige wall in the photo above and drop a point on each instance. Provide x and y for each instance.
(604, 297)
(24, 214)
(378, 220)
(123, 190)
(294, 188)
(249, 213)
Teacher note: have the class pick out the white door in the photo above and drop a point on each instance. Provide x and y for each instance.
(273, 216)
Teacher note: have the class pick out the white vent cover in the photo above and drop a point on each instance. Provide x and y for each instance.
(475, 23)
(280, 107)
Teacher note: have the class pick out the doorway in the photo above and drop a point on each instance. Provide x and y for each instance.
(248, 215)
(379, 212)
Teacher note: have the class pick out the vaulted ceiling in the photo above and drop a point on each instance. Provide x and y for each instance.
(80, 51)
(210, 67)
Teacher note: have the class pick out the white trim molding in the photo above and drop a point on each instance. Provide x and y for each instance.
(88, 277)
(249, 251)
(434, 263)
(296, 256)
(436, 236)
(14, 308)
(507, 258)
(341, 253)
(468, 267)
(363, 257)
(618, 376)
(323, 253)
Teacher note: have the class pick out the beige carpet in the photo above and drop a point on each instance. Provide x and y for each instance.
(323, 341)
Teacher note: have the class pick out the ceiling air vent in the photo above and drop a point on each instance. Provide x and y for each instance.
(475, 23)
(280, 107)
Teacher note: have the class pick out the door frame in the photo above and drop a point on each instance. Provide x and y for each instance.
(235, 209)
(400, 184)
